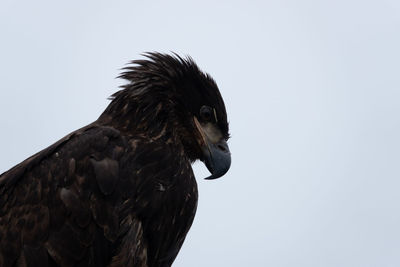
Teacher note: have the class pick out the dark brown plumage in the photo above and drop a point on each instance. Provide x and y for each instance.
(120, 191)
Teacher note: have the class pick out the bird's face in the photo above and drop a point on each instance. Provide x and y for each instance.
(212, 142)
(208, 123)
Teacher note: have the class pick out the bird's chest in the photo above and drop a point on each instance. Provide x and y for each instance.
(174, 203)
(164, 197)
(173, 210)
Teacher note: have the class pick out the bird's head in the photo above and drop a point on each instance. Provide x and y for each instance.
(169, 94)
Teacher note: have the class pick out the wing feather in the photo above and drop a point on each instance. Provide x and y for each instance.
(95, 198)
(57, 202)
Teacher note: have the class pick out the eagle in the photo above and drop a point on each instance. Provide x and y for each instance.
(121, 190)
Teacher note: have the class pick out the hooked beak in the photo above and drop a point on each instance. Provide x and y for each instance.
(216, 154)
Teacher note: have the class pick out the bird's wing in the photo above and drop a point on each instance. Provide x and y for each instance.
(61, 206)
(8, 178)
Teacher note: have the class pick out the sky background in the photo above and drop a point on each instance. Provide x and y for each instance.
(312, 90)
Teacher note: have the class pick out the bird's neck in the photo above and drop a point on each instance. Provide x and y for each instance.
(150, 119)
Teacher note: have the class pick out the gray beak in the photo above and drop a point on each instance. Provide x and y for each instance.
(217, 159)
(216, 154)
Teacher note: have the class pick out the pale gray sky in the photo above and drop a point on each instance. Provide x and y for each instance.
(312, 90)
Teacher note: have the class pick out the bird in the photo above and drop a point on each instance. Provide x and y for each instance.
(120, 191)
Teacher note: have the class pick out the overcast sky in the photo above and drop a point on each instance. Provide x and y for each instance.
(312, 90)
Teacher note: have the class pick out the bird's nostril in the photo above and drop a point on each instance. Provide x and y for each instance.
(221, 147)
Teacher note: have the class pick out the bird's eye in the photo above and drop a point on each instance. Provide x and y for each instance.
(206, 113)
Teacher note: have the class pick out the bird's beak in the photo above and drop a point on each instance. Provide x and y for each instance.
(216, 154)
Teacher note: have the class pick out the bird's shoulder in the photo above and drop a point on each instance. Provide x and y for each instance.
(58, 201)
